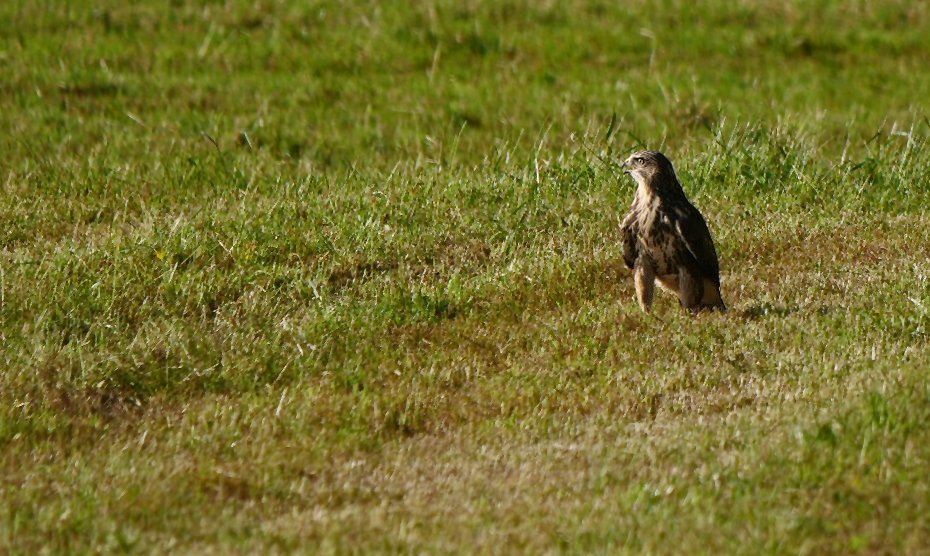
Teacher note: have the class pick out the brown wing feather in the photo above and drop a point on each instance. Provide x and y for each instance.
(693, 232)
(628, 232)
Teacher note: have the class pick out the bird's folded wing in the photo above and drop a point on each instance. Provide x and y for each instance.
(693, 232)
(628, 234)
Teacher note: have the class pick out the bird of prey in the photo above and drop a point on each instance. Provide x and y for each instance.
(666, 239)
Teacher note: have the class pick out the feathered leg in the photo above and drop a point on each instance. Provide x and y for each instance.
(644, 277)
(690, 290)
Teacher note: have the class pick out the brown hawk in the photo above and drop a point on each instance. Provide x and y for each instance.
(666, 239)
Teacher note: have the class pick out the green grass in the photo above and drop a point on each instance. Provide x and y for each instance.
(343, 277)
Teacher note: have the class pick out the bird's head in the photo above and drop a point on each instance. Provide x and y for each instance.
(651, 170)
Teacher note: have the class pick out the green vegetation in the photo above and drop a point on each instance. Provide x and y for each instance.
(343, 277)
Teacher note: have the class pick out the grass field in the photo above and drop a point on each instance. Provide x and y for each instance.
(344, 277)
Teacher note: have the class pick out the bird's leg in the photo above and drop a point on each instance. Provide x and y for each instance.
(644, 277)
(690, 290)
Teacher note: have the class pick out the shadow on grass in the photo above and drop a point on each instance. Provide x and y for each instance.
(762, 310)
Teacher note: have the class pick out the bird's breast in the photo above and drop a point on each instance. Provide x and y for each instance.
(658, 241)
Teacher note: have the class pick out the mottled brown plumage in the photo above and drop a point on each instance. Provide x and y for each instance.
(666, 239)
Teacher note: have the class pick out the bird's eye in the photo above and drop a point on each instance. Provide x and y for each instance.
(638, 160)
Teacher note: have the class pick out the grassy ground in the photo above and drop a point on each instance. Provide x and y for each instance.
(343, 277)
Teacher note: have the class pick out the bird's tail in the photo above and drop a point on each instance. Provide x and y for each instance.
(712, 298)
